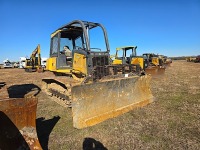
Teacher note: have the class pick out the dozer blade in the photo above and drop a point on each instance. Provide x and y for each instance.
(152, 71)
(167, 65)
(94, 103)
(155, 71)
(161, 71)
(17, 124)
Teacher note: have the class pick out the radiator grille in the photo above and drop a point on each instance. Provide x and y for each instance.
(100, 61)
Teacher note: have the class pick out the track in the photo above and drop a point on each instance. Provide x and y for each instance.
(59, 89)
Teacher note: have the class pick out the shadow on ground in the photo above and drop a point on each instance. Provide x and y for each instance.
(2, 84)
(10, 136)
(19, 91)
(92, 144)
(44, 128)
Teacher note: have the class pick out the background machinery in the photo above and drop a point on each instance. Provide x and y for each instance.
(197, 59)
(153, 64)
(127, 55)
(165, 60)
(149, 63)
(190, 59)
(34, 62)
(22, 62)
(7, 64)
(94, 88)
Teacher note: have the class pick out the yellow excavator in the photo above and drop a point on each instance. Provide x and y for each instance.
(33, 64)
(149, 63)
(87, 82)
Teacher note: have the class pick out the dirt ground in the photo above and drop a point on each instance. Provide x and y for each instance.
(172, 121)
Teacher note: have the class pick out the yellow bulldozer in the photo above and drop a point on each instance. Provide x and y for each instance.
(153, 64)
(166, 61)
(190, 59)
(127, 55)
(33, 64)
(149, 63)
(87, 82)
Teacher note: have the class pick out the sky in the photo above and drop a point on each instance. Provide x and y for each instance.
(168, 27)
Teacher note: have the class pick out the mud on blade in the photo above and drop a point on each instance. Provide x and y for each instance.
(155, 71)
(94, 103)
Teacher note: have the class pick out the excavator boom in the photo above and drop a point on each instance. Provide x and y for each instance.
(34, 62)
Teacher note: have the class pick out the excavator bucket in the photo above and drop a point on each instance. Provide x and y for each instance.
(96, 102)
(17, 124)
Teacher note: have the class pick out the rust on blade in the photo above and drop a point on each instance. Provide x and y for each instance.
(94, 103)
(167, 65)
(115, 113)
(17, 123)
(151, 70)
(155, 71)
(161, 70)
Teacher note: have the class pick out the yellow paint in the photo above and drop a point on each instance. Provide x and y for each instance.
(117, 61)
(47, 64)
(138, 60)
(155, 61)
(51, 66)
(79, 63)
(119, 96)
(115, 113)
(35, 55)
(53, 34)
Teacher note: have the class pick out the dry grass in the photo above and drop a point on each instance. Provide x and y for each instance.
(171, 122)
